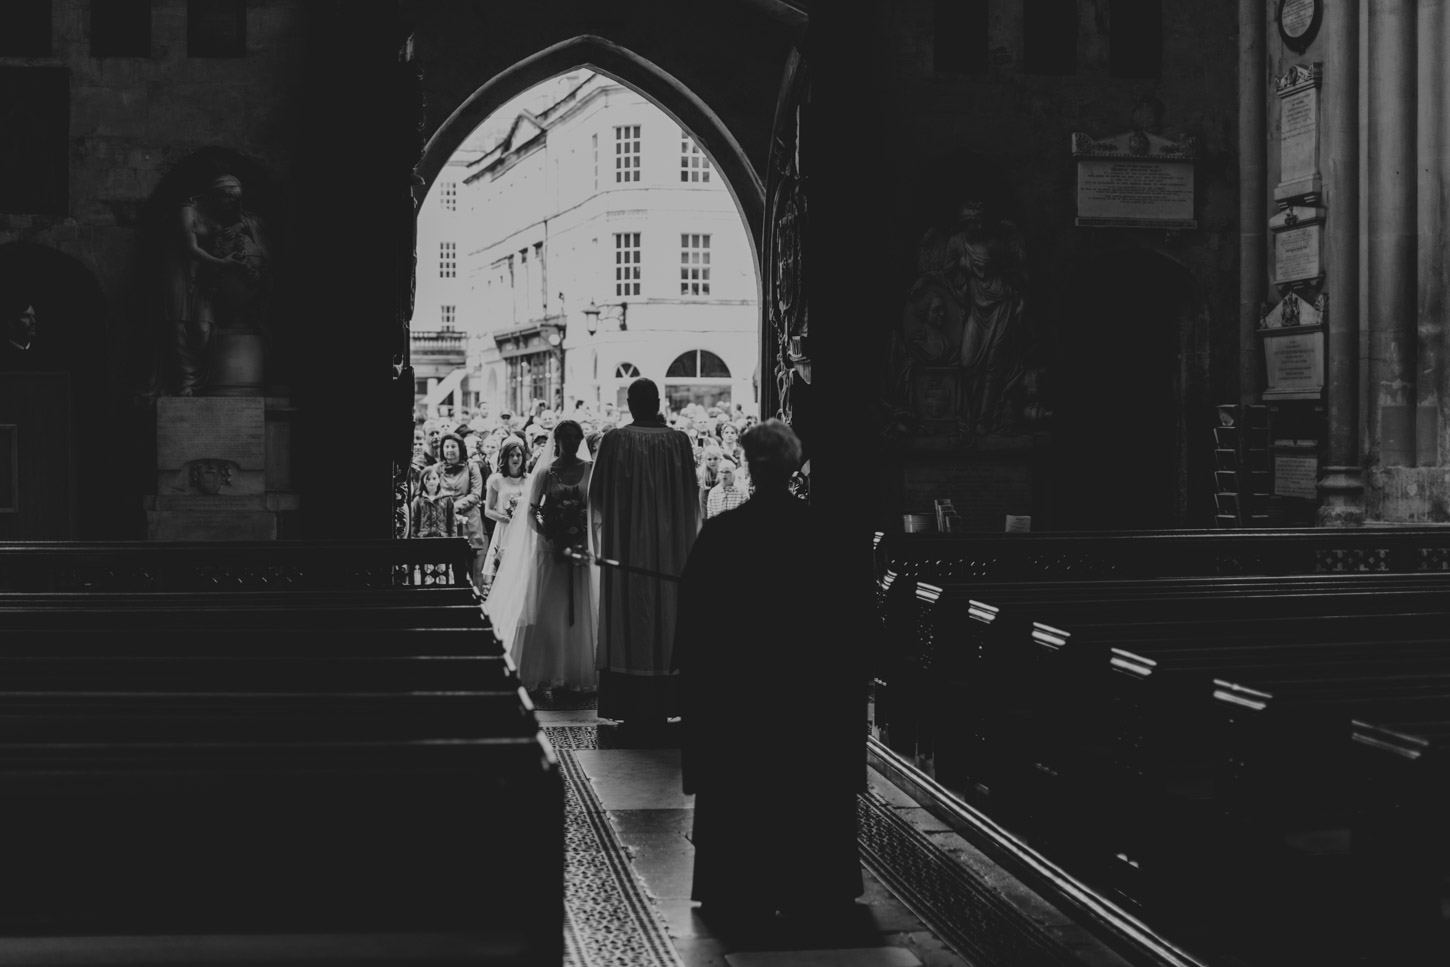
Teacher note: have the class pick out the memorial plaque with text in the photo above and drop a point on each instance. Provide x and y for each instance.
(217, 427)
(1295, 476)
(1294, 362)
(1135, 193)
(1299, 135)
(1135, 180)
(1296, 253)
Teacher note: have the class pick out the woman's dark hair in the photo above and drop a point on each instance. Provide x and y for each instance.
(510, 445)
(462, 450)
(570, 429)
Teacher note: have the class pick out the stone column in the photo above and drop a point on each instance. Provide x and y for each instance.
(1392, 196)
(1253, 191)
(1341, 486)
(1433, 150)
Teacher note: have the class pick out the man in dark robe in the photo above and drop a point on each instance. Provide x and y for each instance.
(774, 706)
(645, 510)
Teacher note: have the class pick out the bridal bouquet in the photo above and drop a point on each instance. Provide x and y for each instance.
(513, 505)
(564, 523)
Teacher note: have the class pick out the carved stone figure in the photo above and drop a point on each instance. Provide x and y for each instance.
(210, 476)
(959, 357)
(217, 276)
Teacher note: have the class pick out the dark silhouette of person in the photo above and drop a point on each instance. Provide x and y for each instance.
(773, 707)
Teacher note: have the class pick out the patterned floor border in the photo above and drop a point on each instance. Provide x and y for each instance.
(609, 921)
(968, 915)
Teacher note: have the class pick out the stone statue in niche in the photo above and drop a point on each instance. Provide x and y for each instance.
(960, 356)
(217, 277)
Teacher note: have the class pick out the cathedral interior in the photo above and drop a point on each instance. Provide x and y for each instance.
(1123, 396)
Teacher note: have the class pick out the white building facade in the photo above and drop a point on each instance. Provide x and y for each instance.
(597, 197)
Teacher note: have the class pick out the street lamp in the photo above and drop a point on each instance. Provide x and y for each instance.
(593, 312)
(556, 342)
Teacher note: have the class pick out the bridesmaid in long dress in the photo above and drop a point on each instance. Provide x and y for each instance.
(506, 498)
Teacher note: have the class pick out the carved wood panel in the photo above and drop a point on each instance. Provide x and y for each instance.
(787, 316)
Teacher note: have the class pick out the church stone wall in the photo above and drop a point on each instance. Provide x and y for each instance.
(931, 138)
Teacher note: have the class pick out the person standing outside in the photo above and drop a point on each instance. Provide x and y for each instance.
(644, 504)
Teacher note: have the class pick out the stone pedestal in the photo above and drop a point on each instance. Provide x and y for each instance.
(223, 469)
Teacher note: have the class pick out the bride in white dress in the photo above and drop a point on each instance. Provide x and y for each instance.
(543, 606)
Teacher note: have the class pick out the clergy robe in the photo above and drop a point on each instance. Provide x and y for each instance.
(644, 502)
(774, 707)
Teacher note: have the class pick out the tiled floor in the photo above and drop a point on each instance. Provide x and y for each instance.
(639, 791)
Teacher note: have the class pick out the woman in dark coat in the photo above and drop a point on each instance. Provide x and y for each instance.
(774, 745)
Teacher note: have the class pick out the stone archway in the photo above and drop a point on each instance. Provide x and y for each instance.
(63, 454)
(1126, 426)
(607, 57)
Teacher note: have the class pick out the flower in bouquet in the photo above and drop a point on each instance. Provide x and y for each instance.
(513, 505)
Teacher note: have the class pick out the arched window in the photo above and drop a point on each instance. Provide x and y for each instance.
(625, 373)
(698, 376)
(698, 363)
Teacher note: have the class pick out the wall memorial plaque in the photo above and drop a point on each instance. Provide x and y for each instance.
(206, 427)
(1294, 361)
(1135, 180)
(1298, 241)
(1299, 22)
(1298, 91)
(1295, 475)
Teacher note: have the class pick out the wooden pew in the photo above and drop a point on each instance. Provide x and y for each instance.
(276, 642)
(184, 839)
(118, 566)
(268, 743)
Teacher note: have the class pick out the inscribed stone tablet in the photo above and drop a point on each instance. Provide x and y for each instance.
(1295, 362)
(1295, 476)
(215, 427)
(1299, 135)
(1127, 192)
(1296, 253)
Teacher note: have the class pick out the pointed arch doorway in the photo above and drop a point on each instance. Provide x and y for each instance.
(698, 128)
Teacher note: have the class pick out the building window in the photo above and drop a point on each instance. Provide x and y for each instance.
(694, 265)
(626, 153)
(626, 263)
(959, 37)
(694, 163)
(1049, 39)
(447, 260)
(698, 376)
(450, 196)
(594, 144)
(625, 373)
(216, 28)
(25, 29)
(448, 315)
(121, 28)
(1135, 39)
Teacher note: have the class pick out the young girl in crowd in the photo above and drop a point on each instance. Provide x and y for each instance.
(433, 507)
(708, 474)
(505, 492)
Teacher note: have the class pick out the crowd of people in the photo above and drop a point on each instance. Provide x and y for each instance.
(483, 476)
(604, 545)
